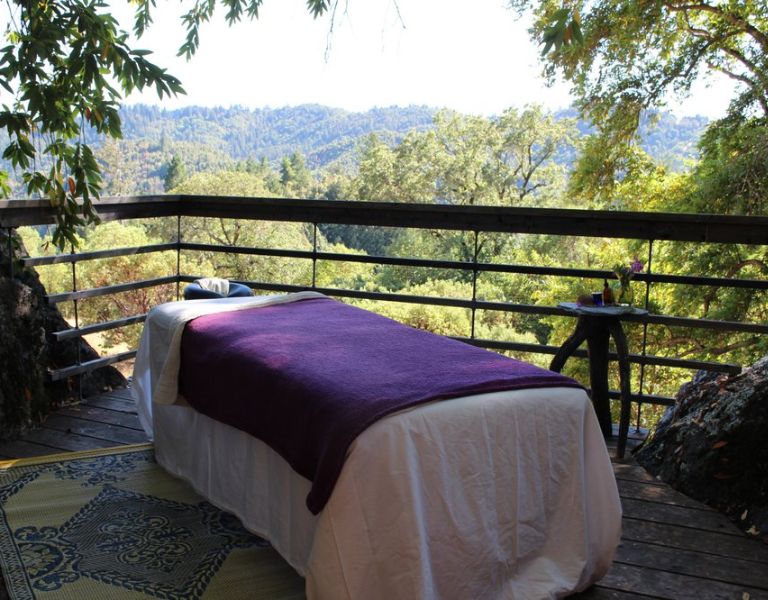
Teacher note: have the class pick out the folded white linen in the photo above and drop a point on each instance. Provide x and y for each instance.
(214, 284)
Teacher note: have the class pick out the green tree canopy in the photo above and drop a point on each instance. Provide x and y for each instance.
(176, 173)
(470, 160)
(624, 57)
(635, 52)
(67, 66)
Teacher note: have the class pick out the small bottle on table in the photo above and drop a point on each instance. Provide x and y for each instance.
(607, 294)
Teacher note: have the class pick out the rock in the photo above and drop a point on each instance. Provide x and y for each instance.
(23, 395)
(712, 445)
(28, 350)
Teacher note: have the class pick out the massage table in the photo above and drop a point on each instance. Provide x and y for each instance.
(505, 494)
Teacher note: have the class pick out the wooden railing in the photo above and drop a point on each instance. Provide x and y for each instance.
(649, 227)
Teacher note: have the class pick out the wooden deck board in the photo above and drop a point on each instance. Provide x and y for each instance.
(671, 514)
(601, 593)
(672, 547)
(103, 431)
(24, 449)
(687, 538)
(653, 492)
(62, 441)
(692, 562)
(102, 415)
(117, 402)
(674, 586)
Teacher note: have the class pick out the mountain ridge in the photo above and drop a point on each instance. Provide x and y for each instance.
(327, 135)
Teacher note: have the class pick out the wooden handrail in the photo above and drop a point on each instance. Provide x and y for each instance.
(684, 227)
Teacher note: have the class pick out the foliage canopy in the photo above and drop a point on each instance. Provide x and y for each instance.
(634, 53)
(625, 57)
(66, 67)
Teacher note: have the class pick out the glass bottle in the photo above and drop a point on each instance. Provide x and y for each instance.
(607, 294)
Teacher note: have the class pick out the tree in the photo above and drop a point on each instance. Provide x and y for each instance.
(469, 160)
(633, 53)
(121, 173)
(94, 274)
(625, 57)
(732, 175)
(295, 177)
(175, 174)
(466, 160)
(243, 233)
(61, 67)
(67, 66)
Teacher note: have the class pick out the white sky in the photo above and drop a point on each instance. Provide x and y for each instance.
(443, 53)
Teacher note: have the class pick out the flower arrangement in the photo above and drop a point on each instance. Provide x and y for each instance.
(625, 273)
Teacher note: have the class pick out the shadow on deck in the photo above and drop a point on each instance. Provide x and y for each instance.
(672, 547)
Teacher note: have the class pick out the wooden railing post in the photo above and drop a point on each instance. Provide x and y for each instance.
(648, 270)
(178, 257)
(474, 283)
(79, 340)
(314, 255)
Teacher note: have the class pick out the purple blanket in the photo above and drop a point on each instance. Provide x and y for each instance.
(308, 377)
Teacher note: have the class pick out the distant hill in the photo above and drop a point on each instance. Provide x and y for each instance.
(212, 139)
(668, 139)
(322, 134)
(327, 135)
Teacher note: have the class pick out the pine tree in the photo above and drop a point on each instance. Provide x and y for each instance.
(175, 175)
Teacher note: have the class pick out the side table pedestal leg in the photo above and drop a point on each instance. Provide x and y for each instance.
(622, 350)
(597, 346)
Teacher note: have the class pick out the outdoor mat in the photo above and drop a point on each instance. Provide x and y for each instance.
(114, 525)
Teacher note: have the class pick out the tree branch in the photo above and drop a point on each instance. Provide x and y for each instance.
(745, 26)
(760, 92)
(760, 86)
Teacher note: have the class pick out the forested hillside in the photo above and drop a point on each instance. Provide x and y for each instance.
(322, 134)
(327, 139)
(325, 135)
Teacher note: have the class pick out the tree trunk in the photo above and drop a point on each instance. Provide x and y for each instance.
(28, 349)
(711, 445)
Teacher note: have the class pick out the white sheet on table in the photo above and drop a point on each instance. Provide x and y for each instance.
(504, 495)
(508, 495)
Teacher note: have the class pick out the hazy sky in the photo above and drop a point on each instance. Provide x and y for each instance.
(472, 57)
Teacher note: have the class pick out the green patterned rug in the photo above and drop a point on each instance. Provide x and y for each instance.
(113, 524)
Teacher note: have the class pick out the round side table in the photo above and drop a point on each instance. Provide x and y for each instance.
(596, 325)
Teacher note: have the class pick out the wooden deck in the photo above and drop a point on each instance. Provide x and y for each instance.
(672, 547)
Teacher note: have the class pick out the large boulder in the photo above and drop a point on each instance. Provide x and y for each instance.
(712, 445)
(28, 349)
(23, 394)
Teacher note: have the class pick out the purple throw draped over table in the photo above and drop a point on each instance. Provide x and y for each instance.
(308, 377)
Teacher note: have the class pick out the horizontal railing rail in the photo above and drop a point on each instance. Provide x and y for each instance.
(754, 284)
(683, 227)
(109, 290)
(91, 365)
(73, 257)
(650, 227)
(68, 334)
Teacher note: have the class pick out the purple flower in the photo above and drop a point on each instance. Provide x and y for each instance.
(624, 273)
